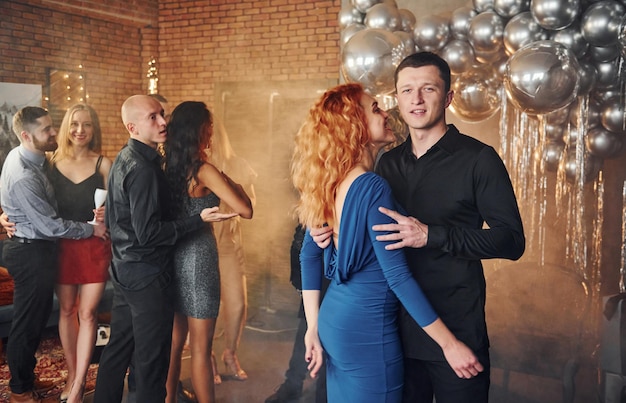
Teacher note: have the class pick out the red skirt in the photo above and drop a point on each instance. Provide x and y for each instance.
(84, 261)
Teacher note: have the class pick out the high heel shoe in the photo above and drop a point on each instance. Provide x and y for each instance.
(233, 368)
(64, 396)
(217, 379)
(80, 393)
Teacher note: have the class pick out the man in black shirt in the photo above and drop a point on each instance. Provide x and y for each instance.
(450, 185)
(142, 235)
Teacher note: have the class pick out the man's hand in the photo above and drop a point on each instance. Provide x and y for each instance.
(408, 231)
(100, 231)
(212, 214)
(322, 236)
(9, 227)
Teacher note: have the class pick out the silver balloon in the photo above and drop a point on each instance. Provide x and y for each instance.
(552, 152)
(483, 5)
(608, 74)
(459, 55)
(542, 77)
(601, 21)
(348, 31)
(370, 57)
(573, 39)
(383, 16)
(588, 76)
(604, 53)
(613, 115)
(555, 14)
(570, 164)
(510, 8)
(407, 19)
(460, 22)
(554, 132)
(522, 30)
(475, 99)
(364, 5)
(407, 39)
(486, 31)
(349, 15)
(431, 33)
(603, 143)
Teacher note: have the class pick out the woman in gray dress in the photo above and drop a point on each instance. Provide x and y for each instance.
(196, 184)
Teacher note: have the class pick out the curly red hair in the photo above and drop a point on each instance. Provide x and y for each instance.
(330, 143)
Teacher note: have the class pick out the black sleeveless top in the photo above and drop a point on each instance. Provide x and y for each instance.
(75, 200)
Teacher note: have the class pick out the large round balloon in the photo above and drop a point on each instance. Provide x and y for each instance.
(460, 22)
(383, 16)
(431, 32)
(370, 57)
(522, 30)
(486, 31)
(603, 143)
(555, 14)
(349, 15)
(601, 21)
(459, 55)
(613, 115)
(542, 77)
(475, 98)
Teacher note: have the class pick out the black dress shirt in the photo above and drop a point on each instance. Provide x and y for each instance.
(139, 218)
(455, 188)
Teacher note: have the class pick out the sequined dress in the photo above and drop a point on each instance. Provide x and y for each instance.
(196, 269)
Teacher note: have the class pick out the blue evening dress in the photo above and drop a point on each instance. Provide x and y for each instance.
(358, 324)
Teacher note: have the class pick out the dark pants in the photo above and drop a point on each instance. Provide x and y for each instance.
(425, 379)
(141, 324)
(33, 268)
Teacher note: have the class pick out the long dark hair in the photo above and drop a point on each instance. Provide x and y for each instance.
(188, 135)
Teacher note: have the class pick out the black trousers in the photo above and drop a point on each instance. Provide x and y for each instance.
(425, 379)
(33, 268)
(141, 324)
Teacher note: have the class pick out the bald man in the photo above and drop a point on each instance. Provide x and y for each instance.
(143, 235)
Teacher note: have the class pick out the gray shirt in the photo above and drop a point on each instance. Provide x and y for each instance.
(27, 197)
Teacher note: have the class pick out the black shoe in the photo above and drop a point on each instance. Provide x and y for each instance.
(184, 395)
(285, 393)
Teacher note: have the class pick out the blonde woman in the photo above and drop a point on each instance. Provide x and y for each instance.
(233, 309)
(78, 169)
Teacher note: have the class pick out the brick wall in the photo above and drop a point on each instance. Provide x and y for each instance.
(225, 40)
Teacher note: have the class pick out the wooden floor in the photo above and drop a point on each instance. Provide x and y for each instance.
(266, 348)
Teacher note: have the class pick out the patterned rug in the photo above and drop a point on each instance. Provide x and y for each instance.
(50, 367)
